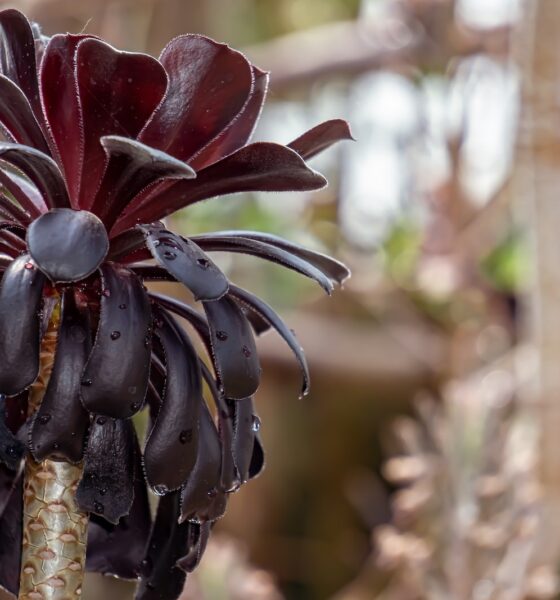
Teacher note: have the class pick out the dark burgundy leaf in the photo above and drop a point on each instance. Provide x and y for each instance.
(239, 131)
(334, 269)
(20, 294)
(186, 262)
(118, 550)
(115, 378)
(235, 355)
(107, 485)
(190, 561)
(128, 243)
(60, 424)
(17, 55)
(169, 542)
(16, 411)
(202, 486)
(25, 194)
(41, 170)
(62, 106)
(67, 245)
(118, 92)
(11, 239)
(246, 425)
(186, 312)
(268, 314)
(131, 168)
(7, 480)
(11, 528)
(225, 410)
(11, 449)
(268, 252)
(13, 213)
(258, 167)
(320, 138)
(172, 444)
(209, 83)
(17, 117)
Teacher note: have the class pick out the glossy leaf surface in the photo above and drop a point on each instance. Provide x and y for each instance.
(186, 262)
(67, 245)
(172, 444)
(209, 83)
(234, 352)
(115, 378)
(20, 294)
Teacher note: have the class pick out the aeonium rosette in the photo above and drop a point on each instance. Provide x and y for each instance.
(103, 145)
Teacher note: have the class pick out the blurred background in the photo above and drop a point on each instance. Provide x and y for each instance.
(425, 463)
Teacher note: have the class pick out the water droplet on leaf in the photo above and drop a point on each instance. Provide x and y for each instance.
(115, 335)
(161, 489)
(256, 424)
(44, 419)
(186, 436)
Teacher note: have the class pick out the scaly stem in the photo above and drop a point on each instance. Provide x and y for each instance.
(54, 529)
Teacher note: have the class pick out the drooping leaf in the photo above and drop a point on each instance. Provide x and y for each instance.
(268, 314)
(11, 448)
(169, 542)
(16, 116)
(186, 262)
(209, 84)
(239, 131)
(67, 245)
(11, 528)
(118, 92)
(258, 167)
(331, 267)
(321, 137)
(118, 550)
(107, 484)
(41, 170)
(60, 424)
(268, 252)
(62, 106)
(201, 534)
(20, 294)
(235, 355)
(131, 168)
(172, 444)
(17, 55)
(115, 378)
(203, 484)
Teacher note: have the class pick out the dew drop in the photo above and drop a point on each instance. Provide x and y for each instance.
(103, 491)
(246, 352)
(161, 489)
(203, 263)
(135, 406)
(168, 255)
(101, 420)
(222, 335)
(115, 335)
(11, 451)
(122, 306)
(56, 445)
(212, 493)
(98, 507)
(44, 419)
(256, 424)
(186, 436)
(106, 292)
(29, 266)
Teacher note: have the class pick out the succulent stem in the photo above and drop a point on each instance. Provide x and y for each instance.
(54, 529)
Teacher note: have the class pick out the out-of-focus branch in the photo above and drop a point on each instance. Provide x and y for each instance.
(405, 39)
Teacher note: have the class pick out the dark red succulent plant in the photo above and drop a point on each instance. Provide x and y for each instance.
(103, 145)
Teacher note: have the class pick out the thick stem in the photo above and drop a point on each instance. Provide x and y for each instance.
(54, 529)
